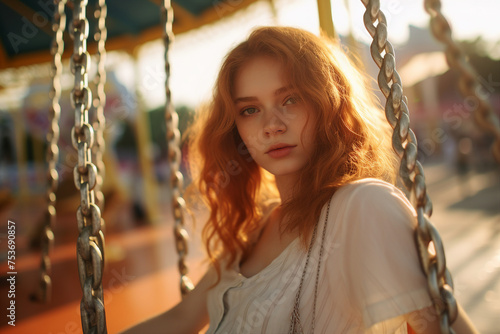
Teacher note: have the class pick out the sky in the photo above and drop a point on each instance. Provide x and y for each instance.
(196, 56)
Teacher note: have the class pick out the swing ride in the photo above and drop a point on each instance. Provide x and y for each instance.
(88, 137)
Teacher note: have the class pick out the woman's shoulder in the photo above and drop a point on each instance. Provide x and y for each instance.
(368, 200)
(368, 189)
(368, 183)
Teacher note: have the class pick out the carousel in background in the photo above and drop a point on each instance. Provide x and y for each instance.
(84, 152)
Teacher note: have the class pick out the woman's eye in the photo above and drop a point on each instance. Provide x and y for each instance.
(291, 100)
(249, 111)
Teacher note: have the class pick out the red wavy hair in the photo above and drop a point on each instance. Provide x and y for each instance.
(353, 140)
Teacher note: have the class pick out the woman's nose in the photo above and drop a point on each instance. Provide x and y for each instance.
(274, 125)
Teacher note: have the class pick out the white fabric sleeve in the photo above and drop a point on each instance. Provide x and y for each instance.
(381, 262)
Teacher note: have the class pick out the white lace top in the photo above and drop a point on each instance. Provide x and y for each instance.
(370, 274)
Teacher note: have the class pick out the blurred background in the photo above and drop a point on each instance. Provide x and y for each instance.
(141, 277)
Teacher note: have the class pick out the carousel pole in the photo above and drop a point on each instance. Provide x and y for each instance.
(274, 11)
(145, 151)
(22, 161)
(39, 159)
(325, 18)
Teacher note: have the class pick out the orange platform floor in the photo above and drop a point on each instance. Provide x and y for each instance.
(140, 275)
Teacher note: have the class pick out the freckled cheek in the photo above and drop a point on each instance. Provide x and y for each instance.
(255, 145)
(254, 141)
(289, 114)
(309, 139)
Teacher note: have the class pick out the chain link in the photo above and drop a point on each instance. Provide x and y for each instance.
(428, 242)
(90, 243)
(99, 125)
(468, 83)
(174, 156)
(44, 293)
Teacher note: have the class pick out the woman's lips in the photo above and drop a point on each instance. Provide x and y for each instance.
(280, 151)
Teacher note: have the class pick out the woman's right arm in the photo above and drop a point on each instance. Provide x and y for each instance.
(187, 317)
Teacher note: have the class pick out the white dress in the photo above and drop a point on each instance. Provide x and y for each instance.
(370, 273)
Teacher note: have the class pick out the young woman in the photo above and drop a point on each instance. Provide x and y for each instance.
(306, 233)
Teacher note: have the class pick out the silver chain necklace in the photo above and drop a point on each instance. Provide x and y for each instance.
(295, 325)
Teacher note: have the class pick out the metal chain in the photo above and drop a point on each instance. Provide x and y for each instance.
(44, 292)
(429, 245)
(468, 83)
(90, 243)
(174, 156)
(100, 36)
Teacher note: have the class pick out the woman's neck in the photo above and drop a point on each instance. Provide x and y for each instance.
(285, 185)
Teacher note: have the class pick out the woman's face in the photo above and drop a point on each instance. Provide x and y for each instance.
(275, 125)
